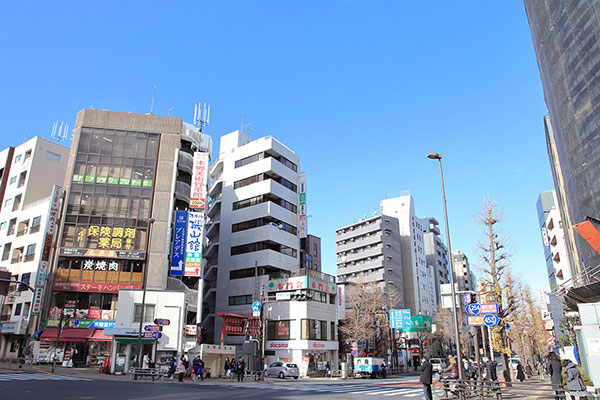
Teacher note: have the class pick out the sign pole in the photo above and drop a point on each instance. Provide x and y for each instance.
(142, 312)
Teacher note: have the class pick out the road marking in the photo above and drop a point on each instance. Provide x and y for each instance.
(24, 376)
(404, 392)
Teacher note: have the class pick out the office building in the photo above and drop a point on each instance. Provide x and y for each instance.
(558, 263)
(310, 253)
(463, 276)
(566, 38)
(369, 251)
(31, 177)
(418, 280)
(436, 255)
(127, 174)
(252, 228)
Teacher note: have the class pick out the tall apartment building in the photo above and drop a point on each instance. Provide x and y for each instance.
(369, 251)
(310, 253)
(463, 276)
(558, 263)
(30, 183)
(418, 281)
(566, 38)
(436, 254)
(127, 174)
(252, 228)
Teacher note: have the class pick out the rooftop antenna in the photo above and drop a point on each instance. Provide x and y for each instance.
(201, 115)
(153, 97)
(169, 111)
(245, 128)
(59, 132)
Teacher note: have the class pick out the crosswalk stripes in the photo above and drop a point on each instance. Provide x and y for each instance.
(358, 389)
(25, 376)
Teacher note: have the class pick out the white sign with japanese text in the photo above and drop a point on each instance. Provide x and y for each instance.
(199, 178)
(193, 245)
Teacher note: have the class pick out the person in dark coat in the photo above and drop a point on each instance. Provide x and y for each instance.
(227, 366)
(491, 372)
(575, 384)
(520, 373)
(241, 369)
(425, 379)
(554, 369)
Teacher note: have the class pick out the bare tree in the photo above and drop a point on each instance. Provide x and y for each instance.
(495, 260)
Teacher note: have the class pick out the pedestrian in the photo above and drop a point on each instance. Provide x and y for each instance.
(232, 368)
(181, 369)
(554, 369)
(426, 377)
(528, 370)
(575, 385)
(226, 367)
(383, 369)
(452, 368)
(520, 373)
(145, 361)
(196, 368)
(241, 369)
(490, 370)
(201, 368)
(172, 367)
(327, 369)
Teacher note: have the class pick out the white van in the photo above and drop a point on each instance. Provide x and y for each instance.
(438, 364)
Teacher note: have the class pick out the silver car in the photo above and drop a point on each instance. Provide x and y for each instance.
(283, 370)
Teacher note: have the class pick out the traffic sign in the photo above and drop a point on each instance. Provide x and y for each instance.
(256, 306)
(256, 313)
(400, 319)
(482, 319)
(355, 345)
(161, 321)
(488, 308)
(354, 353)
(156, 335)
(551, 341)
(153, 328)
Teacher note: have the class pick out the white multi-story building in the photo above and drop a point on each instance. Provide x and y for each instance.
(463, 276)
(29, 174)
(436, 254)
(558, 265)
(252, 226)
(418, 280)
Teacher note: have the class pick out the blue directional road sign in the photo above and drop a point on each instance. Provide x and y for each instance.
(400, 319)
(156, 335)
(491, 320)
(473, 309)
(354, 353)
(256, 306)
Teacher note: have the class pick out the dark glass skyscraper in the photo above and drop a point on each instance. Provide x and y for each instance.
(566, 37)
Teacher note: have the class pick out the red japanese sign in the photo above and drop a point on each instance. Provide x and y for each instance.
(91, 287)
(199, 176)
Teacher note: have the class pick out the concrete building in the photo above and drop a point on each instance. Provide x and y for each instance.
(127, 175)
(558, 262)
(463, 276)
(303, 332)
(418, 280)
(566, 38)
(252, 227)
(436, 254)
(370, 251)
(29, 188)
(310, 253)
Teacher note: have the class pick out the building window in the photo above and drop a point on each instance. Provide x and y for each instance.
(26, 307)
(22, 229)
(7, 203)
(17, 254)
(17, 158)
(240, 300)
(148, 313)
(22, 178)
(278, 330)
(11, 226)
(35, 224)
(6, 252)
(18, 307)
(258, 246)
(315, 250)
(27, 155)
(250, 159)
(25, 278)
(52, 156)
(13, 179)
(333, 331)
(30, 255)
(242, 273)
(17, 202)
(314, 329)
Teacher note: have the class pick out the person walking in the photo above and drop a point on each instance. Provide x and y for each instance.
(172, 367)
(520, 373)
(327, 369)
(384, 369)
(554, 369)
(575, 385)
(227, 366)
(181, 368)
(241, 369)
(491, 370)
(426, 377)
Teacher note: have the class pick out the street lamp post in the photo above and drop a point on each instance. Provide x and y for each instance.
(436, 156)
(145, 281)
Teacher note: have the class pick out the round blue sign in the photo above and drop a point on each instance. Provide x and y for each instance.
(256, 306)
(490, 320)
(473, 309)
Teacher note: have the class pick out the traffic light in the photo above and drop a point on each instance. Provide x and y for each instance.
(5, 276)
(301, 297)
(472, 298)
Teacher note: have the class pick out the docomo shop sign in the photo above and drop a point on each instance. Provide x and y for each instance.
(278, 345)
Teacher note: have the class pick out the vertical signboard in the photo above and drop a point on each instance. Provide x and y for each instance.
(199, 178)
(341, 302)
(302, 228)
(193, 246)
(51, 227)
(178, 249)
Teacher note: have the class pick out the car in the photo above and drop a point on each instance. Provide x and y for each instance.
(283, 370)
(438, 364)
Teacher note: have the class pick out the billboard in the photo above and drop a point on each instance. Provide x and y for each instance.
(178, 248)
(302, 228)
(199, 178)
(193, 245)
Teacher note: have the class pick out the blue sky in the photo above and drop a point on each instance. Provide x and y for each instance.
(361, 90)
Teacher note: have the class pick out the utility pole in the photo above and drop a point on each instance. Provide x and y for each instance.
(261, 331)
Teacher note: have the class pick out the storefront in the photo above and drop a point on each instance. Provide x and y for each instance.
(310, 356)
(81, 346)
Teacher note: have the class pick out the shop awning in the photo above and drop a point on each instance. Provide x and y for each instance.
(99, 336)
(131, 339)
(67, 335)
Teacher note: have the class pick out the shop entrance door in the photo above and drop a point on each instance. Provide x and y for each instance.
(80, 354)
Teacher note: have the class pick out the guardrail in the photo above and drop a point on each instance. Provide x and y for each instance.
(16, 363)
(477, 389)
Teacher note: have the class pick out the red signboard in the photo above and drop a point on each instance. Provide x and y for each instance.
(91, 287)
(283, 328)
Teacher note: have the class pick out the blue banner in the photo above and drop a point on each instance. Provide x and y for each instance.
(400, 319)
(178, 249)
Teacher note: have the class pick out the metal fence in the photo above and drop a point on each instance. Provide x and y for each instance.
(476, 389)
